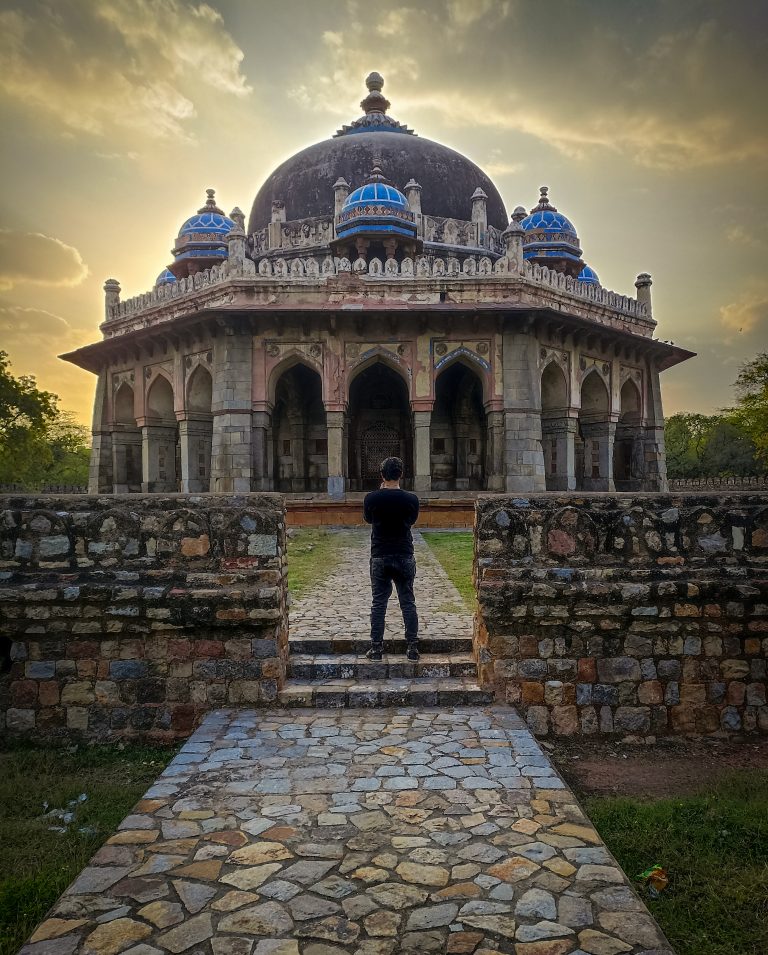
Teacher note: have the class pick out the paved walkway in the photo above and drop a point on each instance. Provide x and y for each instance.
(340, 605)
(366, 832)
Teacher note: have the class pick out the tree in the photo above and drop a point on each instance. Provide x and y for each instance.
(39, 444)
(751, 411)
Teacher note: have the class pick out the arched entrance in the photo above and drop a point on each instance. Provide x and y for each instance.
(628, 463)
(458, 431)
(126, 442)
(557, 430)
(299, 432)
(196, 432)
(593, 440)
(161, 460)
(379, 426)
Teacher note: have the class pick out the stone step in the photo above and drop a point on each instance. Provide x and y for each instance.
(312, 644)
(450, 691)
(348, 666)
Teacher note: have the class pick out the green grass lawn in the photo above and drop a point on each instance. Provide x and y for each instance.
(312, 554)
(36, 865)
(715, 849)
(454, 551)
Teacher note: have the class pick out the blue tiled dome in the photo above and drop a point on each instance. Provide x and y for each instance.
(376, 208)
(166, 277)
(588, 276)
(203, 235)
(549, 234)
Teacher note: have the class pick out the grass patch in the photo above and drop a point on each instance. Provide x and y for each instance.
(312, 555)
(454, 550)
(715, 848)
(36, 865)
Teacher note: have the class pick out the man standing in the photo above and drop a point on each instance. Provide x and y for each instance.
(392, 512)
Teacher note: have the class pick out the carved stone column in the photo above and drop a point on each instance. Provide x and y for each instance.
(100, 478)
(598, 454)
(558, 438)
(422, 477)
(158, 457)
(262, 470)
(232, 445)
(336, 456)
(523, 455)
(195, 437)
(495, 451)
(126, 459)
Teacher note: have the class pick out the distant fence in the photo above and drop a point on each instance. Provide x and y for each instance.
(719, 483)
(44, 489)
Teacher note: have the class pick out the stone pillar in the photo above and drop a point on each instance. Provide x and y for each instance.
(480, 214)
(523, 455)
(100, 479)
(598, 454)
(655, 477)
(495, 453)
(422, 476)
(195, 436)
(561, 466)
(336, 455)
(643, 285)
(111, 297)
(232, 445)
(413, 195)
(513, 240)
(262, 471)
(275, 227)
(158, 457)
(126, 459)
(340, 193)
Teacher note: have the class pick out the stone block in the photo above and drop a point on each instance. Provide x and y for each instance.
(632, 719)
(618, 669)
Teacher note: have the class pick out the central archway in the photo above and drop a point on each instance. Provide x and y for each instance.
(380, 426)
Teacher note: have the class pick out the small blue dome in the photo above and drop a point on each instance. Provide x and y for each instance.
(549, 234)
(588, 276)
(203, 235)
(376, 192)
(377, 209)
(166, 277)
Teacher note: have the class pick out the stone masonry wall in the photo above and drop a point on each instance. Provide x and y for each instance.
(132, 616)
(635, 615)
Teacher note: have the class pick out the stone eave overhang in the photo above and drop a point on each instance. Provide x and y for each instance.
(208, 317)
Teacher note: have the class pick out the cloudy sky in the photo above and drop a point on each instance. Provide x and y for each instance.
(646, 118)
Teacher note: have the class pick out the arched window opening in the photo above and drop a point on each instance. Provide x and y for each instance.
(379, 426)
(593, 444)
(556, 426)
(628, 450)
(299, 432)
(458, 431)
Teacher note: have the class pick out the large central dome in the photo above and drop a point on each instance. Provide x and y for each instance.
(447, 179)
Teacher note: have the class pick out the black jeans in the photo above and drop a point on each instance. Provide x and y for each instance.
(384, 572)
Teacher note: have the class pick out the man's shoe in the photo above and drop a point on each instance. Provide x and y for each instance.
(412, 653)
(374, 653)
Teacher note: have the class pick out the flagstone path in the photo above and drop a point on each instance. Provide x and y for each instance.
(354, 832)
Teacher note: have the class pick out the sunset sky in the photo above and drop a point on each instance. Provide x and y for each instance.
(647, 120)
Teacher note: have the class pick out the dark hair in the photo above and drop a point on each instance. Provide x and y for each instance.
(391, 469)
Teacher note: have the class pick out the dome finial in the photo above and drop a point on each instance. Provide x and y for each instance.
(210, 203)
(375, 101)
(377, 174)
(543, 202)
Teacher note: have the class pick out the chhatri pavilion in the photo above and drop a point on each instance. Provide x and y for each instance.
(380, 301)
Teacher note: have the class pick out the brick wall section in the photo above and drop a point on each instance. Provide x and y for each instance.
(134, 615)
(635, 615)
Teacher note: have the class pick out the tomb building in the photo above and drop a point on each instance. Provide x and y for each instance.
(379, 302)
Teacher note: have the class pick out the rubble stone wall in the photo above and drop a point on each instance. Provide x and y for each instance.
(635, 615)
(133, 615)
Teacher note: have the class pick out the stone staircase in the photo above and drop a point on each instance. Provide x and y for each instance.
(327, 666)
(336, 673)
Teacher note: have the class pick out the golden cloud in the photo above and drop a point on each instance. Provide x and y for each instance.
(105, 66)
(40, 259)
(747, 312)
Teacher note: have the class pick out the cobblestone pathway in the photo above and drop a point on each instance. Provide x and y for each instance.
(366, 832)
(340, 605)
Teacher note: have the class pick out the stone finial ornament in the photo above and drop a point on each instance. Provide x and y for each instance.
(375, 101)
(210, 203)
(238, 217)
(413, 195)
(111, 296)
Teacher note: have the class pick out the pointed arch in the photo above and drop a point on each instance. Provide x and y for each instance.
(160, 399)
(630, 403)
(373, 356)
(594, 440)
(124, 409)
(287, 361)
(477, 365)
(458, 428)
(200, 390)
(595, 399)
(299, 430)
(554, 388)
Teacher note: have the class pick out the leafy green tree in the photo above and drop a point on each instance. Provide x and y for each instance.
(751, 411)
(39, 444)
